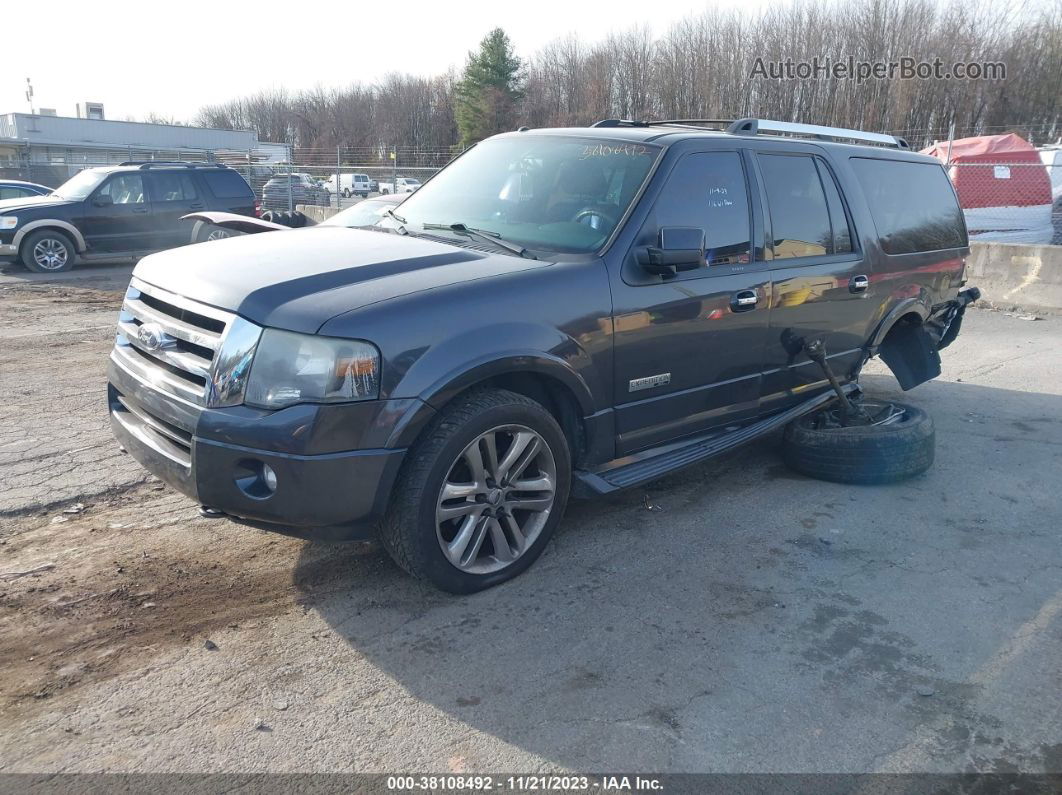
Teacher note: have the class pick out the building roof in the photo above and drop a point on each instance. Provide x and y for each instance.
(65, 131)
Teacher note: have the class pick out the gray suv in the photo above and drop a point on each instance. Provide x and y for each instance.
(558, 312)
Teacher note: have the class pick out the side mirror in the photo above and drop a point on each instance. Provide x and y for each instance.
(681, 249)
(103, 200)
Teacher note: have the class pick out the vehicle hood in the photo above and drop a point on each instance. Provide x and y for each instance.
(32, 203)
(302, 278)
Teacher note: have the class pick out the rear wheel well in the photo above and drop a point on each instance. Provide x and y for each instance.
(910, 352)
(552, 394)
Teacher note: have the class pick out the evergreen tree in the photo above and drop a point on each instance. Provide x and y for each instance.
(489, 90)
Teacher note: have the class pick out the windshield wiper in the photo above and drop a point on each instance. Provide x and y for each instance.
(483, 234)
(401, 221)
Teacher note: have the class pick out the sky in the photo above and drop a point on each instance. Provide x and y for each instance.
(135, 58)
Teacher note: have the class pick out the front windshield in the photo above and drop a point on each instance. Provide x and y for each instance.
(79, 186)
(560, 194)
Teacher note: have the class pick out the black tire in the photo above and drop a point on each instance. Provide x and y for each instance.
(298, 220)
(346, 193)
(867, 454)
(62, 251)
(410, 531)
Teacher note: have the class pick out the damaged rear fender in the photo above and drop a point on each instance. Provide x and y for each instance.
(909, 340)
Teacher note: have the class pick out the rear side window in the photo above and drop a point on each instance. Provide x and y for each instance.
(800, 217)
(227, 184)
(172, 187)
(842, 230)
(913, 205)
(707, 190)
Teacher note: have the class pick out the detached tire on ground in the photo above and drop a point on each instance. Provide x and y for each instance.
(866, 454)
(480, 494)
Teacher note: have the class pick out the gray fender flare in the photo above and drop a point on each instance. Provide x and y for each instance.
(51, 223)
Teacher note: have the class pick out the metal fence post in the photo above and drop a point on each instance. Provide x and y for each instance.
(339, 179)
(394, 169)
(291, 205)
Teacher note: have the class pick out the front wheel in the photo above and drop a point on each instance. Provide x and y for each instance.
(48, 251)
(481, 494)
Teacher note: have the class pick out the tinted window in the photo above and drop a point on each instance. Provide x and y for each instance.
(800, 219)
(125, 189)
(172, 187)
(913, 205)
(227, 184)
(15, 193)
(842, 231)
(707, 190)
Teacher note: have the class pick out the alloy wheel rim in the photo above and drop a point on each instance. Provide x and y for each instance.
(495, 499)
(218, 234)
(50, 254)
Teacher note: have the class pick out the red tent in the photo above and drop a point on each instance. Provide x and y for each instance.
(983, 175)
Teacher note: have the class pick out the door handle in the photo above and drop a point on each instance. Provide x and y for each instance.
(140, 209)
(743, 301)
(196, 206)
(858, 284)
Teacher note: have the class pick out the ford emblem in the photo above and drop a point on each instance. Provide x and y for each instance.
(153, 338)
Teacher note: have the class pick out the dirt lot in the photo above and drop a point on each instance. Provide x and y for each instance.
(736, 617)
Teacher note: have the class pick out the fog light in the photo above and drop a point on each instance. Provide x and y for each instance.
(254, 478)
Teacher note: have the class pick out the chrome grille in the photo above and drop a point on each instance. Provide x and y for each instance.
(178, 346)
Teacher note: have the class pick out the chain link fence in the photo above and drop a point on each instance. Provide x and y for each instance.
(340, 176)
(281, 178)
(1014, 202)
(1011, 202)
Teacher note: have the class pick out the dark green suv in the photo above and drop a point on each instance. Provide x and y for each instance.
(120, 211)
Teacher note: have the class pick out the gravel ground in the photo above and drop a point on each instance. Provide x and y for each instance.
(736, 617)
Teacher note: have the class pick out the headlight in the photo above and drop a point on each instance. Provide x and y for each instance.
(8, 221)
(294, 368)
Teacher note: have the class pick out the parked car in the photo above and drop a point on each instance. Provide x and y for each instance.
(567, 312)
(350, 185)
(304, 190)
(128, 210)
(17, 189)
(404, 185)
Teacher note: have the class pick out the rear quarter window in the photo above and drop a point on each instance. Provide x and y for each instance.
(913, 205)
(227, 184)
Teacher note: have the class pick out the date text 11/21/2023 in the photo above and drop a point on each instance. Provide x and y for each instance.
(531, 783)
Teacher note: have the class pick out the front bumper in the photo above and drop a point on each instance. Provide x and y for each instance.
(321, 492)
(8, 251)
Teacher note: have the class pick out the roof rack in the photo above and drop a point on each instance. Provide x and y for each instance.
(757, 126)
(169, 164)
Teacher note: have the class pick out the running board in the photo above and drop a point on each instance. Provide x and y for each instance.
(651, 466)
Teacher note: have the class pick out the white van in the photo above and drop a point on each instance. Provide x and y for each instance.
(349, 185)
